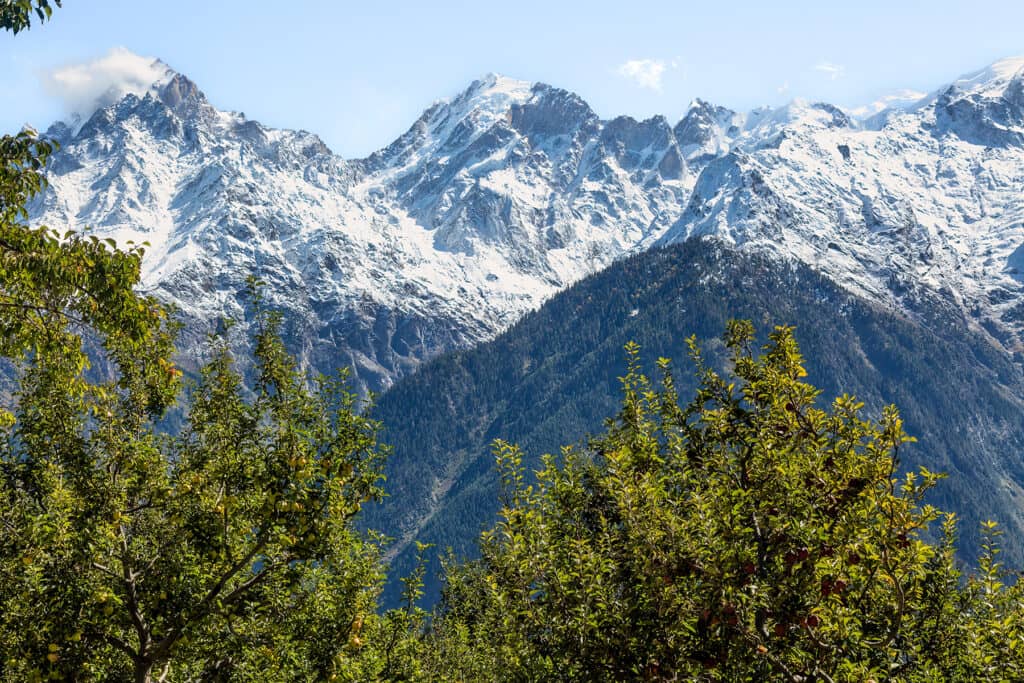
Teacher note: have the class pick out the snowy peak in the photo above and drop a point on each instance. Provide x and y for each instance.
(993, 79)
(493, 108)
(146, 92)
(526, 169)
(451, 124)
(483, 104)
(707, 130)
(985, 107)
(764, 125)
(493, 94)
(92, 87)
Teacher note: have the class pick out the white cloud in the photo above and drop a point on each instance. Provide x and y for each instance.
(833, 71)
(783, 89)
(86, 87)
(646, 73)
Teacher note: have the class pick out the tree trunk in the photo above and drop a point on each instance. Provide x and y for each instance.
(143, 671)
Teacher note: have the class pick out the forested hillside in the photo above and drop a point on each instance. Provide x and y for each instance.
(552, 380)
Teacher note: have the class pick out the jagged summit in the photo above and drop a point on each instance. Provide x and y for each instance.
(494, 92)
(176, 90)
(490, 107)
(484, 102)
(111, 79)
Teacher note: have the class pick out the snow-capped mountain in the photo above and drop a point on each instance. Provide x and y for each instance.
(931, 195)
(489, 204)
(511, 191)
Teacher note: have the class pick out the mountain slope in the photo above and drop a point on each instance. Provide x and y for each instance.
(551, 379)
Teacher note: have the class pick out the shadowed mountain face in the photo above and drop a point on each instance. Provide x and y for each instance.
(495, 200)
(552, 379)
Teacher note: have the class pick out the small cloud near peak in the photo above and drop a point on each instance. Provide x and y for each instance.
(85, 87)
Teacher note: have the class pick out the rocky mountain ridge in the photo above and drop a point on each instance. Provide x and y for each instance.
(498, 198)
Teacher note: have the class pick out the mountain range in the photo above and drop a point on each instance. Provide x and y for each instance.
(500, 197)
(893, 237)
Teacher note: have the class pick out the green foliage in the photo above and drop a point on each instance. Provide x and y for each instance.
(393, 651)
(57, 289)
(745, 536)
(24, 156)
(17, 15)
(222, 553)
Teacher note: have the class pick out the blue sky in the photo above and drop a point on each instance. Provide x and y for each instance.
(359, 73)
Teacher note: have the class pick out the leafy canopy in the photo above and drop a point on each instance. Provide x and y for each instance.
(748, 535)
(17, 15)
(225, 551)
